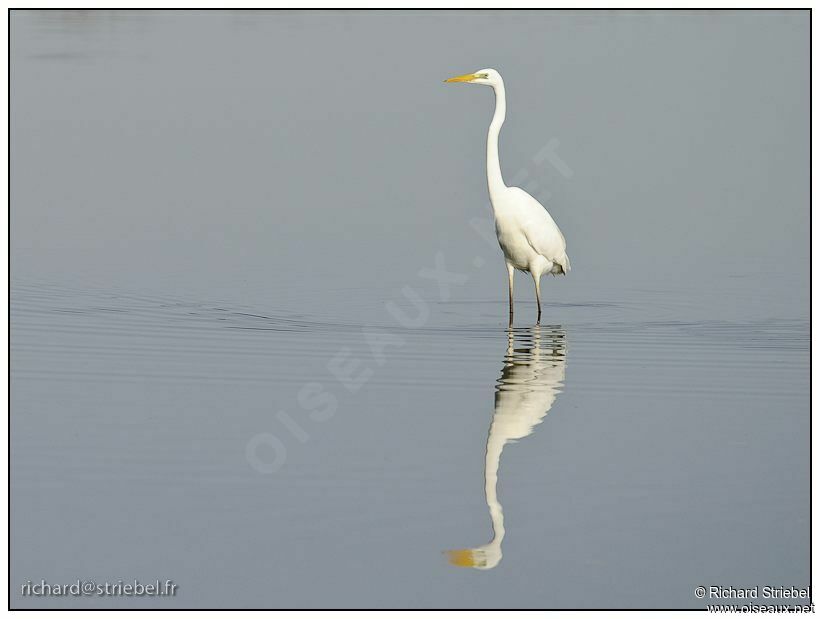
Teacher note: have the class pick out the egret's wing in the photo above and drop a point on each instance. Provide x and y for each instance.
(541, 231)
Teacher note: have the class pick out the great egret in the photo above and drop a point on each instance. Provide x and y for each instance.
(531, 379)
(529, 238)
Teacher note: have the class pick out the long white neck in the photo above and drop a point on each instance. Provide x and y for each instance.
(495, 445)
(495, 182)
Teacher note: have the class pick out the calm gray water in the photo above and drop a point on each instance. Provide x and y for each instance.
(236, 365)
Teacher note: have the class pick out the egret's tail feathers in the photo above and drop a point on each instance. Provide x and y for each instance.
(561, 266)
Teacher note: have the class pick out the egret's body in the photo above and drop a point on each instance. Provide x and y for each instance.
(527, 234)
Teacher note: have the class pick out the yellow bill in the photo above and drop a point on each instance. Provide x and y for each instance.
(469, 77)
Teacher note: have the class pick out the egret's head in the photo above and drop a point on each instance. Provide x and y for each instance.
(487, 77)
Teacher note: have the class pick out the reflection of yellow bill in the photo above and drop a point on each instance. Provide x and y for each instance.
(462, 558)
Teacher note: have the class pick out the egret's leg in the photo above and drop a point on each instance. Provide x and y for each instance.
(537, 280)
(511, 274)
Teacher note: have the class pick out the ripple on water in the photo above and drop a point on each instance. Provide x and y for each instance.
(60, 333)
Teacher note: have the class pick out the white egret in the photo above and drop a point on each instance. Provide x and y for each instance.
(529, 238)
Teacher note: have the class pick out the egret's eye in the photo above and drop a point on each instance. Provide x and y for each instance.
(482, 75)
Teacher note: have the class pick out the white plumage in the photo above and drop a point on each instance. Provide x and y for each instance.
(529, 238)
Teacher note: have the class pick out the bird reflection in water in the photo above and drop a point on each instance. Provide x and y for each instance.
(531, 379)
